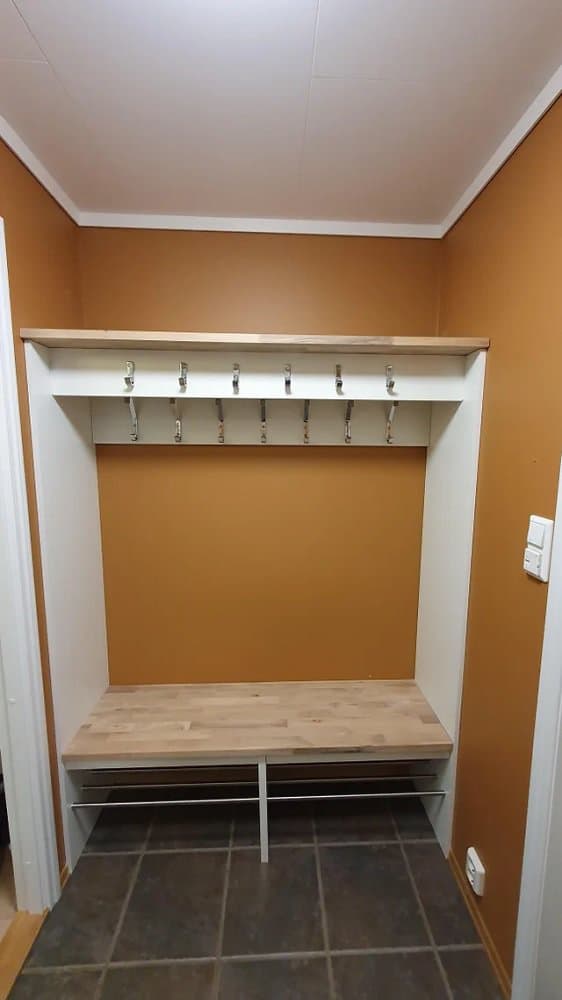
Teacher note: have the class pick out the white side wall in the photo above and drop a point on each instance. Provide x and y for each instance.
(69, 525)
(23, 733)
(448, 521)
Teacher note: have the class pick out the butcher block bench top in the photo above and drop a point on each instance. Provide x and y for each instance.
(183, 723)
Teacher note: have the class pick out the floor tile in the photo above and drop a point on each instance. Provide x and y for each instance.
(411, 820)
(400, 976)
(177, 827)
(277, 979)
(446, 910)
(80, 928)
(289, 822)
(470, 975)
(354, 820)
(274, 907)
(369, 898)
(168, 982)
(120, 830)
(56, 986)
(175, 907)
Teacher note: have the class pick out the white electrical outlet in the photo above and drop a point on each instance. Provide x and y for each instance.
(475, 872)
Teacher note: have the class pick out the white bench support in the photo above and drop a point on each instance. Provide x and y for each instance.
(262, 788)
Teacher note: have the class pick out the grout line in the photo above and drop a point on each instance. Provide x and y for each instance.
(46, 970)
(255, 847)
(124, 908)
(265, 957)
(217, 970)
(478, 946)
(323, 914)
(436, 955)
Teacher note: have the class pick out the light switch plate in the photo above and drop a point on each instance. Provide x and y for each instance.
(536, 561)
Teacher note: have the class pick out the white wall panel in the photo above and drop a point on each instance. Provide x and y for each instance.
(69, 526)
(448, 523)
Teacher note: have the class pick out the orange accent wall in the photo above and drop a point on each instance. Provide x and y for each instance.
(258, 283)
(253, 564)
(502, 279)
(268, 563)
(42, 251)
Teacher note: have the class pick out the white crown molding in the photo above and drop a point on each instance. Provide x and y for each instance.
(23, 152)
(319, 227)
(543, 101)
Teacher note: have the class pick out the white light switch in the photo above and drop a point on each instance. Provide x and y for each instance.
(536, 561)
(535, 534)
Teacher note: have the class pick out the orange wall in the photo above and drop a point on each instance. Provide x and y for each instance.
(163, 280)
(299, 521)
(42, 251)
(251, 564)
(502, 279)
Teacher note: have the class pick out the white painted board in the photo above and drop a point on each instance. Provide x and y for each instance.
(86, 372)
(156, 421)
(69, 527)
(448, 523)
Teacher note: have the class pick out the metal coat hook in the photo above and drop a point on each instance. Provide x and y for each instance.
(339, 379)
(182, 377)
(134, 434)
(390, 380)
(288, 376)
(263, 417)
(306, 416)
(220, 414)
(348, 409)
(390, 420)
(177, 415)
(130, 376)
(236, 379)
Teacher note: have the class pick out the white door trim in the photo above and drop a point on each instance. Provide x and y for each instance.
(23, 733)
(543, 774)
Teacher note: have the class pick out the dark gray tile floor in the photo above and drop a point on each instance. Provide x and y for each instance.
(357, 903)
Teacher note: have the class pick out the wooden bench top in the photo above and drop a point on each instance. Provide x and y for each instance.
(182, 723)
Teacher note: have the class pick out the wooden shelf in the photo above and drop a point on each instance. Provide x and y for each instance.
(151, 340)
(178, 723)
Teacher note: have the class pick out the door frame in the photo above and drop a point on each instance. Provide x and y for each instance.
(23, 730)
(543, 775)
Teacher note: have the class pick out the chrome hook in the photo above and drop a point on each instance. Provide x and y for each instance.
(390, 380)
(348, 409)
(182, 377)
(390, 420)
(339, 380)
(236, 379)
(288, 375)
(306, 417)
(263, 435)
(134, 434)
(177, 415)
(129, 378)
(220, 414)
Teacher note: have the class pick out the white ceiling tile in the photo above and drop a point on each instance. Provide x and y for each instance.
(400, 156)
(432, 40)
(16, 41)
(49, 123)
(238, 157)
(128, 51)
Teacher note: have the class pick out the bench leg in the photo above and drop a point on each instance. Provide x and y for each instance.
(262, 787)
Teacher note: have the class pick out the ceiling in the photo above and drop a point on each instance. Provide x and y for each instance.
(362, 111)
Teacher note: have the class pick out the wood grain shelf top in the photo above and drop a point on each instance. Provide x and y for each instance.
(183, 722)
(151, 340)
